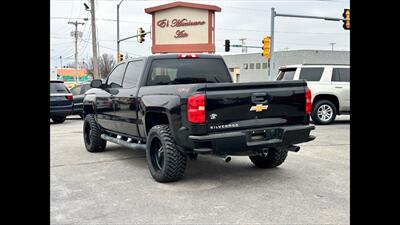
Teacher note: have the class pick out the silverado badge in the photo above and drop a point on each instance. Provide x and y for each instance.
(259, 107)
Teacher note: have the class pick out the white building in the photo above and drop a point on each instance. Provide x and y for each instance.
(253, 67)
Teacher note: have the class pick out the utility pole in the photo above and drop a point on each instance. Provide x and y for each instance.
(244, 49)
(332, 45)
(272, 55)
(76, 35)
(60, 61)
(94, 41)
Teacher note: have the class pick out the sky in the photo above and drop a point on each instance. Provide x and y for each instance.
(237, 19)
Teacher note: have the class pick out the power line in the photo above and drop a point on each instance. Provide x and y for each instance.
(98, 19)
(115, 49)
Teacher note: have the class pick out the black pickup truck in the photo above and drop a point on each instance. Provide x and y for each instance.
(176, 106)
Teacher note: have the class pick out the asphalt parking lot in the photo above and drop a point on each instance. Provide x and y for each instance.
(115, 186)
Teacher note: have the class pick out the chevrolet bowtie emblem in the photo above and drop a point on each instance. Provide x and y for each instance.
(259, 107)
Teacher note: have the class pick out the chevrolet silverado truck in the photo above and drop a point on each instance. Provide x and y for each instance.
(176, 106)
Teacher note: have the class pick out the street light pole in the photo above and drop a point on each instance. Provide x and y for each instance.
(118, 29)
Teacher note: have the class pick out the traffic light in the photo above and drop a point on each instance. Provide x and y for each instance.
(266, 47)
(227, 45)
(120, 57)
(141, 35)
(346, 15)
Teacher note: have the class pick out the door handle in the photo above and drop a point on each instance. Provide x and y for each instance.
(259, 98)
(338, 87)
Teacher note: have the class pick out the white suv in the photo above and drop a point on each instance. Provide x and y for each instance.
(330, 88)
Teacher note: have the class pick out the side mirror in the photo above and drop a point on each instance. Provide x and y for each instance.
(97, 83)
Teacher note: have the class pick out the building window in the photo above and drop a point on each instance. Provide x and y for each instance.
(245, 66)
(251, 66)
(258, 66)
(231, 69)
(265, 65)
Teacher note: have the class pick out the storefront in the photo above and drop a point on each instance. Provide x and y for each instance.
(72, 76)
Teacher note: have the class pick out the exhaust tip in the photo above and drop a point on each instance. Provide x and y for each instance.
(228, 159)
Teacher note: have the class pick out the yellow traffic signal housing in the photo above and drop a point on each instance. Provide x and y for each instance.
(346, 16)
(141, 35)
(120, 57)
(266, 47)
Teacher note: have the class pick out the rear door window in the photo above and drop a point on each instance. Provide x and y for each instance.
(341, 74)
(188, 71)
(133, 71)
(58, 87)
(311, 74)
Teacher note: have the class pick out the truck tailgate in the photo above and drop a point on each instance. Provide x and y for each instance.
(232, 106)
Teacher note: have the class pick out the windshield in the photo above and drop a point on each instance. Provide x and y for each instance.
(188, 71)
(58, 87)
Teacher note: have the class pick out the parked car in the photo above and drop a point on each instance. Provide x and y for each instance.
(79, 92)
(61, 101)
(176, 106)
(330, 88)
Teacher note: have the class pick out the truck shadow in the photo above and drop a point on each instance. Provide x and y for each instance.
(207, 168)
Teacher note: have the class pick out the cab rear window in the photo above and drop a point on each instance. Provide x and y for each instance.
(188, 71)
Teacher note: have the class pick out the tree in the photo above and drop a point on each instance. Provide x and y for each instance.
(106, 64)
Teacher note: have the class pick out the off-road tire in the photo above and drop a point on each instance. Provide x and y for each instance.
(91, 135)
(58, 119)
(314, 114)
(174, 161)
(274, 158)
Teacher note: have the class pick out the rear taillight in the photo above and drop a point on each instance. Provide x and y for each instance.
(69, 97)
(308, 101)
(196, 109)
(187, 56)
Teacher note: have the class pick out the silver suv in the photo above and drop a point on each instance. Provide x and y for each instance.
(329, 85)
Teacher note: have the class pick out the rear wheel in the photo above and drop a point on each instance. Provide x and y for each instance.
(91, 135)
(58, 119)
(274, 158)
(166, 163)
(324, 112)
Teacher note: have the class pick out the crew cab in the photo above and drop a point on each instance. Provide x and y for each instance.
(330, 87)
(176, 106)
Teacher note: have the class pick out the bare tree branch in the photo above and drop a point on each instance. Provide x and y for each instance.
(106, 64)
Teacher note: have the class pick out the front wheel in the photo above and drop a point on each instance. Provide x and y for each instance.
(166, 163)
(324, 112)
(274, 158)
(92, 135)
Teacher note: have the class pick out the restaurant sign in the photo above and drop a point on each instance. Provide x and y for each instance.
(183, 27)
